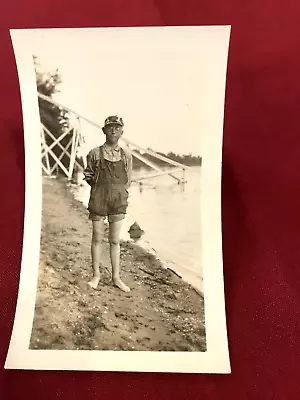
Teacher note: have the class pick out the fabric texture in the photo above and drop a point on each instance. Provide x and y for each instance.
(110, 218)
(111, 154)
(93, 160)
(260, 199)
(108, 192)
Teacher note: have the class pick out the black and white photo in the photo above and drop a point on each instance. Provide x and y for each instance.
(122, 251)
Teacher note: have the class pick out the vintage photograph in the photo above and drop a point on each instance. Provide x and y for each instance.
(121, 116)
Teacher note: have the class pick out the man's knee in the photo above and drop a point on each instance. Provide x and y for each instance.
(114, 241)
(97, 232)
(97, 238)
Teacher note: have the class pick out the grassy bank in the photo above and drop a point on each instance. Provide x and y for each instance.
(161, 313)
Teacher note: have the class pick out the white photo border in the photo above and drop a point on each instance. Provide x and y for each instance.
(216, 358)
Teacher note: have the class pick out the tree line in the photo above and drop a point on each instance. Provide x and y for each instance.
(185, 159)
(53, 117)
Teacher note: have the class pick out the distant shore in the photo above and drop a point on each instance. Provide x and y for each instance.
(161, 313)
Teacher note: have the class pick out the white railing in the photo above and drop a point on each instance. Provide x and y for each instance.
(77, 139)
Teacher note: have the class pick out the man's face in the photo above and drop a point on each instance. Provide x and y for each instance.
(113, 132)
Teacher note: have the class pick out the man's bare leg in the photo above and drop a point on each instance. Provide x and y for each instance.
(96, 247)
(114, 243)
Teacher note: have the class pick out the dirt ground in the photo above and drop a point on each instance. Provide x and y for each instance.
(161, 313)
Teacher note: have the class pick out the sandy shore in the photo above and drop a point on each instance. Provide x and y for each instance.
(161, 313)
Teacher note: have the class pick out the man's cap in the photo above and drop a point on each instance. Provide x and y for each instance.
(113, 119)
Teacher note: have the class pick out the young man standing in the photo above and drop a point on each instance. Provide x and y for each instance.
(108, 172)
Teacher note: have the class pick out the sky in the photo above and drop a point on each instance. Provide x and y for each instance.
(156, 82)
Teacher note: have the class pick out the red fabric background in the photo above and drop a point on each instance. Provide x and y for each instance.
(260, 198)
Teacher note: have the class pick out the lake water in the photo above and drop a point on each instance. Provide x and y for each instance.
(169, 214)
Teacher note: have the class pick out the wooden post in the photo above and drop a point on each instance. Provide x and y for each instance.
(73, 153)
(44, 145)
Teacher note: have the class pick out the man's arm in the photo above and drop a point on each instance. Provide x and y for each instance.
(129, 168)
(89, 171)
